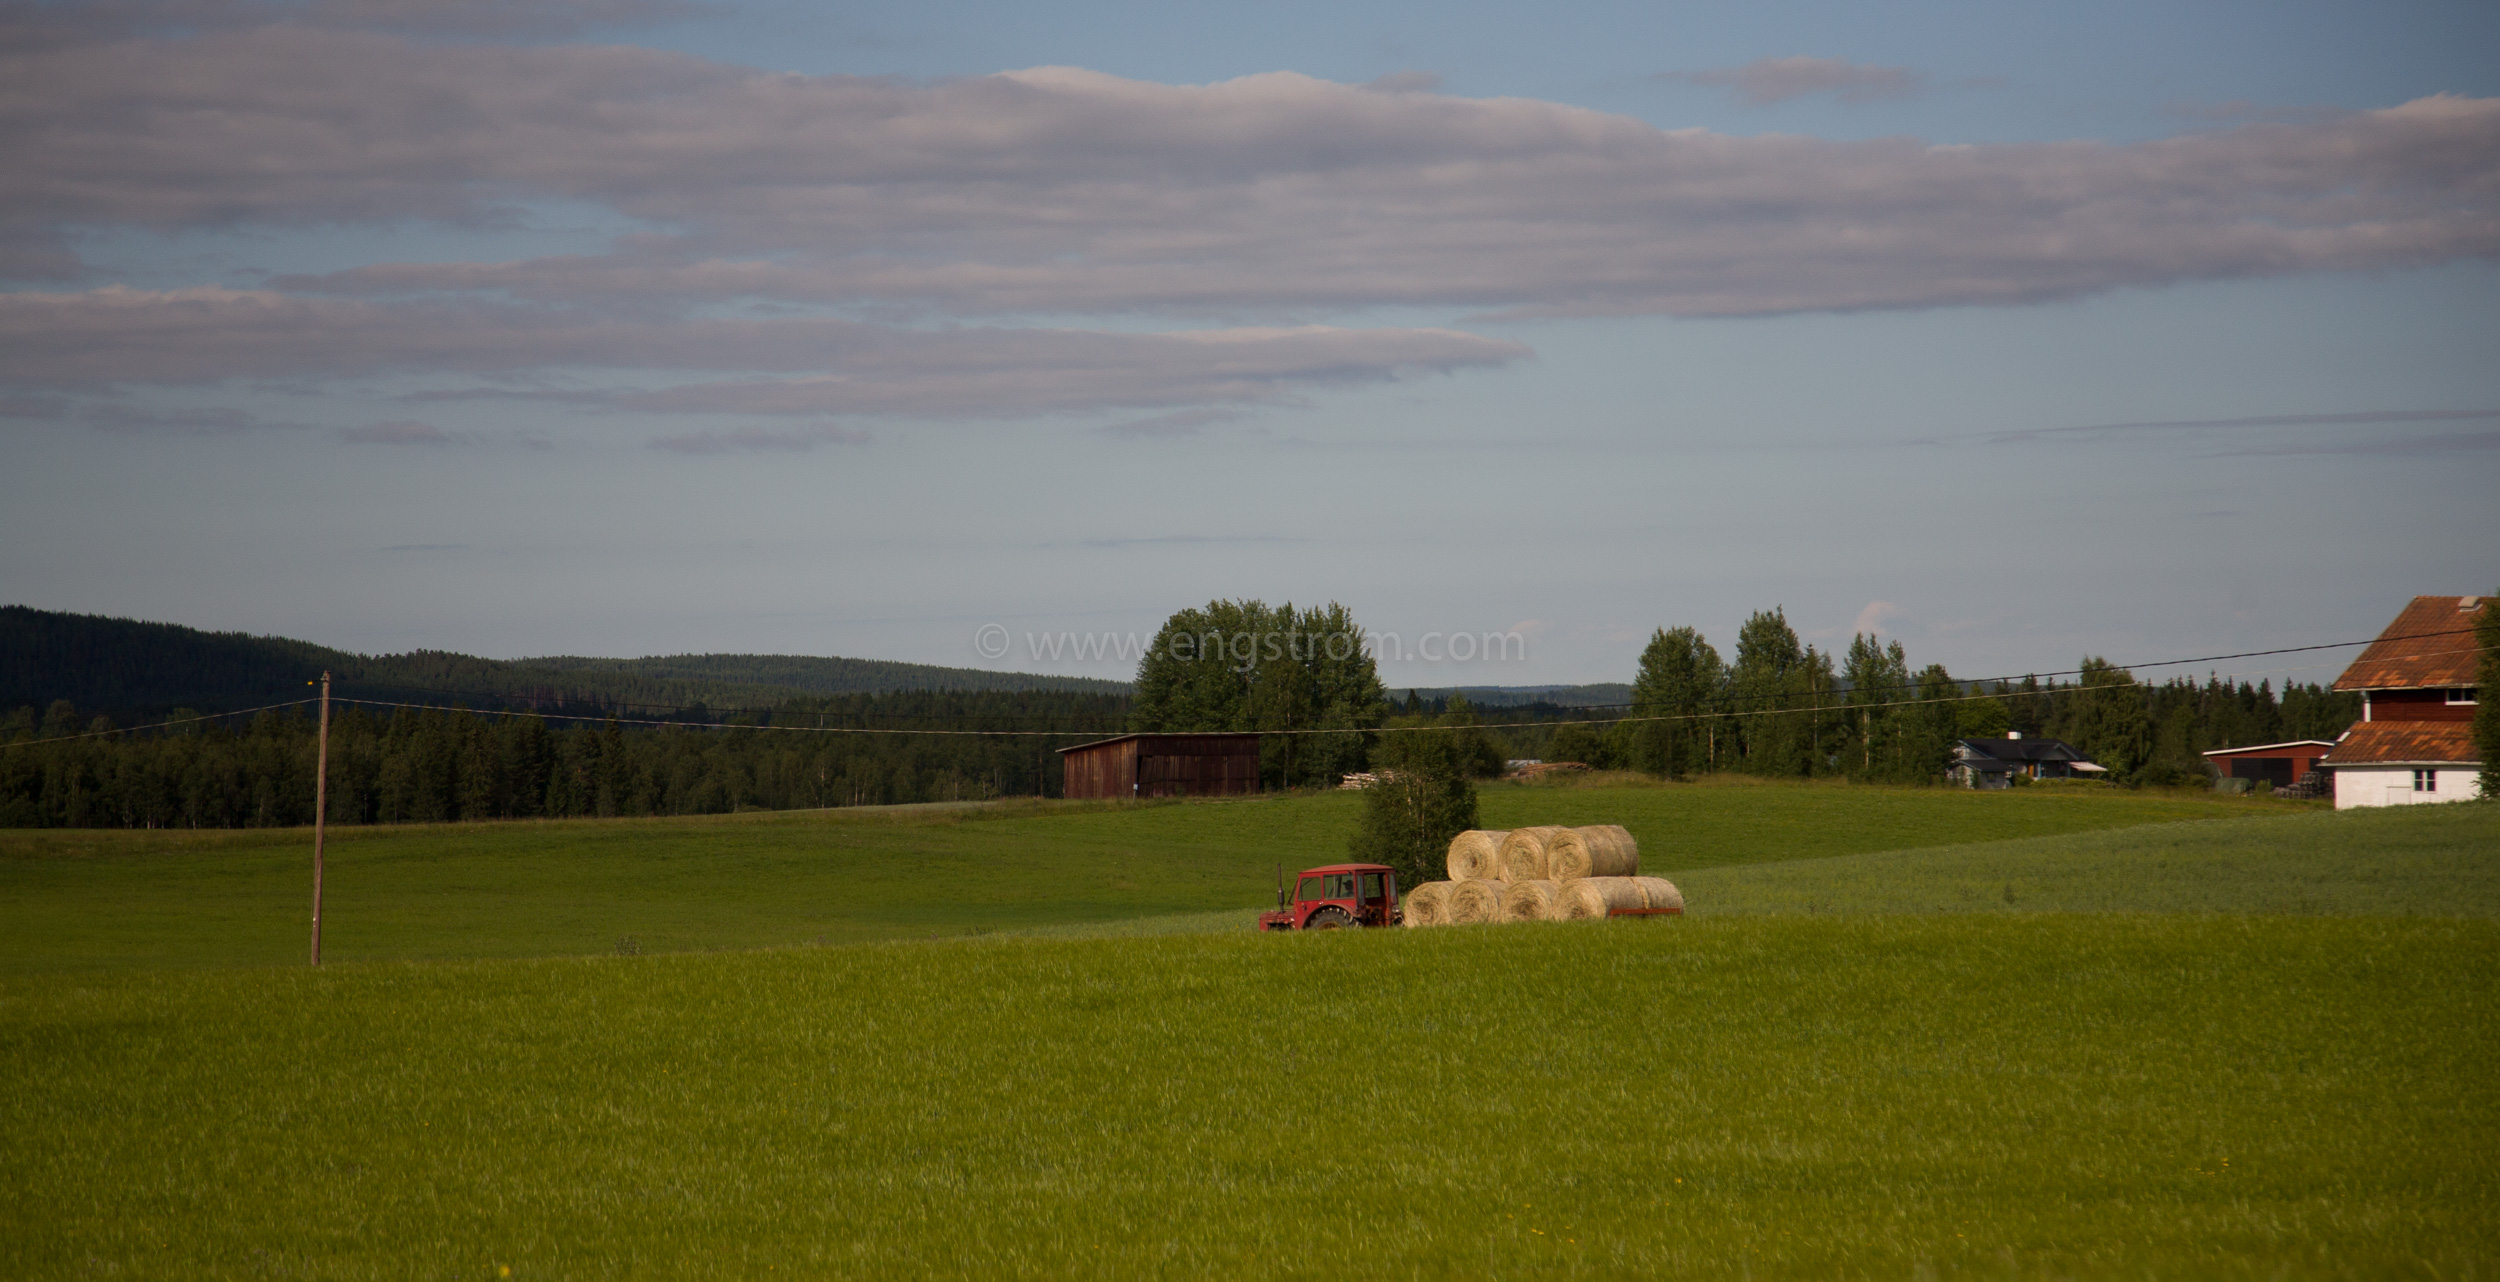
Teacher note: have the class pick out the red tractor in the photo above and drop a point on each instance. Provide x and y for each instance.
(1336, 897)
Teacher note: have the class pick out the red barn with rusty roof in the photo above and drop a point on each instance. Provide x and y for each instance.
(2415, 740)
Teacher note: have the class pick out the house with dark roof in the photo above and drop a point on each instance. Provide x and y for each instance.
(2415, 740)
(1994, 763)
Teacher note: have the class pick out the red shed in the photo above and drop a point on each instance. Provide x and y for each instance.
(1162, 765)
(2278, 764)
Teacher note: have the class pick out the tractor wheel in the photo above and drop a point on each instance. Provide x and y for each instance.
(1331, 918)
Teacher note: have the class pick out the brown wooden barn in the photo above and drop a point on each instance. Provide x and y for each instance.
(1162, 765)
(2277, 765)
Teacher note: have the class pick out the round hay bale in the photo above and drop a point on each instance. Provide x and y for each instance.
(1476, 853)
(1526, 853)
(1476, 901)
(1600, 850)
(1658, 892)
(1529, 901)
(1594, 896)
(1427, 904)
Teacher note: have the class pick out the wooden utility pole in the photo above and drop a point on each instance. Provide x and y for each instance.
(321, 810)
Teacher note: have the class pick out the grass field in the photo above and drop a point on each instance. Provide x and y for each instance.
(2414, 860)
(1963, 1096)
(85, 898)
(2202, 1040)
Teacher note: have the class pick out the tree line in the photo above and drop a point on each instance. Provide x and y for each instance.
(1783, 708)
(1778, 707)
(418, 765)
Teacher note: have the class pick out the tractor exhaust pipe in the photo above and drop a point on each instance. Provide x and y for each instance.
(1280, 886)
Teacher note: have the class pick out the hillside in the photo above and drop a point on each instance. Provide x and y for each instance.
(126, 668)
(1602, 694)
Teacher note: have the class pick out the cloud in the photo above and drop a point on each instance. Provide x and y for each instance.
(401, 432)
(204, 420)
(1175, 424)
(1248, 209)
(1058, 190)
(122, 417)
(1775, 80)
(35, 406)
(2341, 419)
(35, 253)
(50, 26)
(738, 440)
(2241, 109)
(1871, 619)
(1067, 192)
(115, 336)
(2402, 447)
(974, 372)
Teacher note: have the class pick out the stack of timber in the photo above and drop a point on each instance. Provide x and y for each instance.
(1542, 873)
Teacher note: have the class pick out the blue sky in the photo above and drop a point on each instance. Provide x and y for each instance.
(2147, 331)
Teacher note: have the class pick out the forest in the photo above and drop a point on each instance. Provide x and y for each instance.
(138, 671)
(1781, 708)
(418, 765)
(1776, 708)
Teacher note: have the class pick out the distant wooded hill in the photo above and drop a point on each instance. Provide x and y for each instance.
(1602, 694)
(127, 668)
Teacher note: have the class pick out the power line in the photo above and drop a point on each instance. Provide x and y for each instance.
(715, 725)
(608, 705)
(1820, 707)
(2130, 667)
(1488, 725)
(1973, 681)
(181, 721)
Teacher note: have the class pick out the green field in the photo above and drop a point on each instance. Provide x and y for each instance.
(2409, 861)
(2200, 1040)
(84, 898)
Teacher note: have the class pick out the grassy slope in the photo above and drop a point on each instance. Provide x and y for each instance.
(1810, 1097)
(2432, 860)
(87, 898)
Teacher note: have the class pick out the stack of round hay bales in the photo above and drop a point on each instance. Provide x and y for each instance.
(1597, 896)
(1476, 854)
(1541, 873)
(1527, 853)
(1479, 900)
(1427, 904)
(1601, 850)
(1530, 901)
(1658, 892)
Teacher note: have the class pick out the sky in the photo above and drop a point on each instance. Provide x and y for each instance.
(979, 334)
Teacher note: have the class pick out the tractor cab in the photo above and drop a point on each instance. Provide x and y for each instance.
(1335, 897)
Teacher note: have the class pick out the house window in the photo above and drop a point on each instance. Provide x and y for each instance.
(2426, 781)
(2464, 695)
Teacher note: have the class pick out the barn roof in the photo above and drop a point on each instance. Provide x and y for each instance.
(2430, 644)
(2270, 747)
(1158, 734)
(2396, 743)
